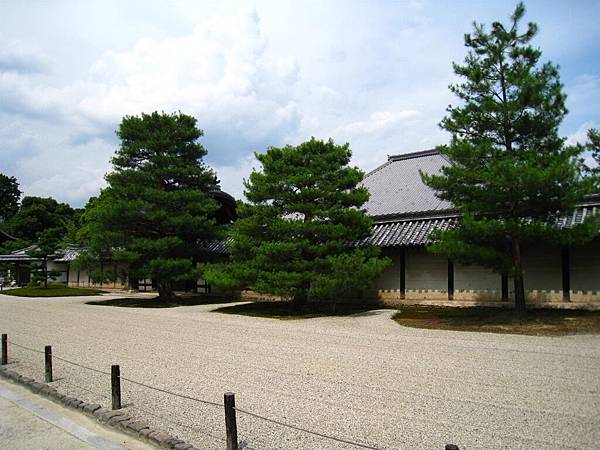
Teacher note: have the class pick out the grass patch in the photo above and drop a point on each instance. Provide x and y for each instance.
(53, 290)
(500, 320)
(155, 302)
(284, 309)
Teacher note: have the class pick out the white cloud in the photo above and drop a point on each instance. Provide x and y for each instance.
(580, 136)
(374, 74)
(382, 121)
(223, 74)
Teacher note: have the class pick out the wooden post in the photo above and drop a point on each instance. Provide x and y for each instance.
(68, 270)
(48, 363)
(115, 382)
(450, 280)
(504, 282)
(4, 349)
(402, 273)
(230, 421)
(566, 273)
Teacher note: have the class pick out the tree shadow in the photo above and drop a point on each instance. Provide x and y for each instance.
(286, 310)
(155, 302)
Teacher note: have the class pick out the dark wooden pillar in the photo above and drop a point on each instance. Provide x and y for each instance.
(402, 273)
(101, 272)
(566, 273)
(504, 279)
(68, 270)
(450, 280)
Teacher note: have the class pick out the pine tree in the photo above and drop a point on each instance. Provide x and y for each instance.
(295, 235)
(510, 174)
(157, 208)
(9, 197)
(593, 146)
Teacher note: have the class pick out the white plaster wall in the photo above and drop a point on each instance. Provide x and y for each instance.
(425, 270)
(426, 276)
(389, 280)
(585, 270)
(61, 267)
(476, 283)
(542, 268)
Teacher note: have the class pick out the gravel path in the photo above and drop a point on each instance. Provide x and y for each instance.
(363, 378)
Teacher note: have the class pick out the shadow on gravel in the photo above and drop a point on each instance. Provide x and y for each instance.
(544, 322)
(135, 302)
(285, 309)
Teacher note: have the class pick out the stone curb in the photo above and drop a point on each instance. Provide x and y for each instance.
(117, 419)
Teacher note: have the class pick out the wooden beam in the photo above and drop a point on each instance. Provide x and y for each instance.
(504, 279)
(450, 280)
(566, 273)
(402, 273)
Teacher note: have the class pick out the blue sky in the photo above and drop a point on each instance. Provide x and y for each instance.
(254, 74)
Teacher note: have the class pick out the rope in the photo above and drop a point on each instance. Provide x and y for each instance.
(60, 359)
(26, 348)
(195, 429)
(344, 441)
(164, 391)
(220, 405)
(70, 383)
(80, 365)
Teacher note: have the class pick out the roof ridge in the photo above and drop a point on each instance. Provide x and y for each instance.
(377, 169)
(412, 155)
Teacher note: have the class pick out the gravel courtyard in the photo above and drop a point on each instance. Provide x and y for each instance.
(362, 378)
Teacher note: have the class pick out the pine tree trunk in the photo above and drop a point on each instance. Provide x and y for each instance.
(165, 291)
(45, 273)
(300, 299)
(518, 277)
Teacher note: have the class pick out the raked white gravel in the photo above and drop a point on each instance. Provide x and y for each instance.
(363, 378)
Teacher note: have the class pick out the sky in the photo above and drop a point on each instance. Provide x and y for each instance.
(254, 74)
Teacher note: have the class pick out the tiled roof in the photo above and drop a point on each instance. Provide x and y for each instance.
(69, 254)
(408, 232)
(7, 236)
(418, 231)
(586, 210)
(217, 247)
(21, 255)
(396, 187)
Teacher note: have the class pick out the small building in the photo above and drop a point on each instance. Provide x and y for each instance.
(405, 212)
(23, 264)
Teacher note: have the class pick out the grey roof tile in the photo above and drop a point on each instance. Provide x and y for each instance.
(396, 187)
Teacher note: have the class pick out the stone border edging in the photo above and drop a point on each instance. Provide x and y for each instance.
(117, 419)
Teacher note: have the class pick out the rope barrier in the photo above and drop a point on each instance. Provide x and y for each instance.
(165, 391)
(207, 402)
(26, 348)
(70, 383)
(344, 441)
(54, 356)
(80, 365)
(175, 422)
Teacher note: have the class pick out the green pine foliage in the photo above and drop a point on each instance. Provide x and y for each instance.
(48, 243)
(37, 214)
(295, 235)
(593, 145)
(157, 208)
(10, 195)
(511, 174)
